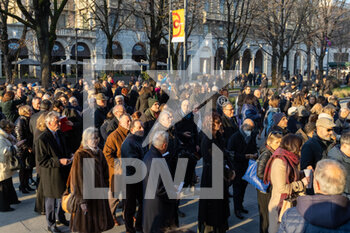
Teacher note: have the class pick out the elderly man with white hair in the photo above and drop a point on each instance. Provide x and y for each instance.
(159, 211)
(53, 158)
(327, 210)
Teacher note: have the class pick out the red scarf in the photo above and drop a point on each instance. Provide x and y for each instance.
(291, 161)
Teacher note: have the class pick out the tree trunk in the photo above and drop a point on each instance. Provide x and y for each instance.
(5, 49)
(274, 64)
(280, 70)
(308, 54)
(153, 56)
(320, 64)
(109, 54)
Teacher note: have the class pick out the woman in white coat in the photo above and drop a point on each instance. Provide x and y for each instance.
(8, 147)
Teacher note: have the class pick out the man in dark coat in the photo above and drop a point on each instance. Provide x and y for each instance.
(325, 212)
(317, 147)
(341, 153)
(53, 158)
(229, 122)
(150, 116)
(132, 148)
(101, 110)
(187, 133)
(244, 147)
(158, 210)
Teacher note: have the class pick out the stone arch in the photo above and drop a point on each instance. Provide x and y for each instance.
(246, 61)
(259, 61)
(58, 53)
(139, 52)
(297, 63)
(84, 53)
(117, 50)
(20, 49)
(220, 58)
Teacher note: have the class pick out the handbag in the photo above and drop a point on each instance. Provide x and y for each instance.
(251, 177)
(69, 201)
(15, 163)
(287, 203)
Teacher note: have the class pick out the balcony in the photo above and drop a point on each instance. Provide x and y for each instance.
(70, 32)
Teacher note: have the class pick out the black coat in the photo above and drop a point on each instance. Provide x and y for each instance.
(213, 212)
(230, 127)
(187, 124)
(100, 115)
(74, 136)
(313, 151)
(53, 176)
(22, 132)
(238, 145)
(148, 121)
(9, 108)
(132, 148)
(142, 102)
(265, 155)
(157, 212)
(173, 145)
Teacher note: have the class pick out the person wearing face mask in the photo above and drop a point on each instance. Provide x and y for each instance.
(243, 145)
(91, 215)
(132, 149)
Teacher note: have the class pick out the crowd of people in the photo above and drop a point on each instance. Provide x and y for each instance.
(298, 135)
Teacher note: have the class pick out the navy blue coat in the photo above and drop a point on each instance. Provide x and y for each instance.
(160, 211)
(317, 213)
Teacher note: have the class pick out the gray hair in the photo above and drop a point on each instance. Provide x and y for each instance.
(119, 97)
(331, 175)
(87, 134)
(51, 116)
(115, 108)
(345, 138)
(159, 138)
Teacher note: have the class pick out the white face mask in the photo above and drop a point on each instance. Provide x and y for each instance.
(247, 132)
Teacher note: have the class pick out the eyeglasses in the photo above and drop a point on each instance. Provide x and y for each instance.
(329, 130)
(275, 133)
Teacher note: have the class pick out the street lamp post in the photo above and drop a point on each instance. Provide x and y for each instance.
(76, 55)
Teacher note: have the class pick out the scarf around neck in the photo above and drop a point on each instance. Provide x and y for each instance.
(291, 161)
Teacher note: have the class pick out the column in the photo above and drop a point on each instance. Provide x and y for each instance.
(265, 61)
(301, 64)
(252, 65)
(68, 67)
(240, 64)
(0, 64)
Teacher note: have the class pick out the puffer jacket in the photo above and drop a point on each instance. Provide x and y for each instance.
(317, 213)
(7, 149)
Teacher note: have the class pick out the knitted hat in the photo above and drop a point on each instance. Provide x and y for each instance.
(152, 101)
(278, 117)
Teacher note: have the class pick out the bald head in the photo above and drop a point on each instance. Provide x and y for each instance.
(248, 124)
(118, 111)
(330, 177)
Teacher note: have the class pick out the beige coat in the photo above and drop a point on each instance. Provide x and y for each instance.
(279, 186)
(6, 151)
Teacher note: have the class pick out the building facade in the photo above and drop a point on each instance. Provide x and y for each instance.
(206, 52)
